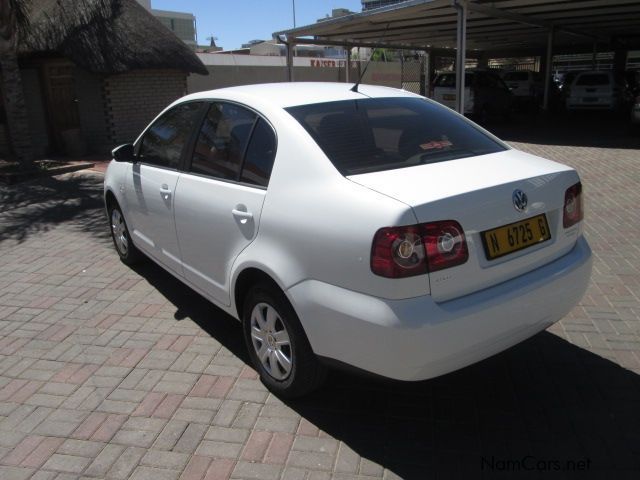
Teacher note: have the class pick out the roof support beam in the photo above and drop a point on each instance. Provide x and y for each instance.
(523, 19)
(346, 43)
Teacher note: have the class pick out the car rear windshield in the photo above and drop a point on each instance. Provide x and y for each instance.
(375, 134)
(516, 76)
(593, 79)
(449, 80)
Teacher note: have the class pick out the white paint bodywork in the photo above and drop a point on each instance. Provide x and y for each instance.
(312, 230)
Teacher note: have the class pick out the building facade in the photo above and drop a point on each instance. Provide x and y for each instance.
(86, 92)
(183, 24)
(371, 4)
(336, 13)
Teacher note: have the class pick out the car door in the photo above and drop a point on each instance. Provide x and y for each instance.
(219, 197)
(152, 182)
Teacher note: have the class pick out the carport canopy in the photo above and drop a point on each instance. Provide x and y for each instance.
(498, 27)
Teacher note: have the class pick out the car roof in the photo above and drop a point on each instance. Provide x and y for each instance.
(289, 94)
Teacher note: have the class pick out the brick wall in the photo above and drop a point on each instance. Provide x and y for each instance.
(134, 99)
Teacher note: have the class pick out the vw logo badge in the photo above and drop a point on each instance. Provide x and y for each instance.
(520, 200)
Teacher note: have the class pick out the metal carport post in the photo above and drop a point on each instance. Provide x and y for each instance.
(547, 70)
(290, 56)
(461, 50)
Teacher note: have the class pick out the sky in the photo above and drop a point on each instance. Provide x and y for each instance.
(235, 22)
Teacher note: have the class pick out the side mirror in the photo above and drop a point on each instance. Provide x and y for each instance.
(123, 153)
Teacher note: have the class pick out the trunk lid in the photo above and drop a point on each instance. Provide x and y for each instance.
(478, 193)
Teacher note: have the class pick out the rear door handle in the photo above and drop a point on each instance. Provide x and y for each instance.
(242, 215)
(165, 191)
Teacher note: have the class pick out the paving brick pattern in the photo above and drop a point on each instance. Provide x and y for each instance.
(111, 372)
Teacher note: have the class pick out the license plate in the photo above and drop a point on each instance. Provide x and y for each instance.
(449, 97)
(515, 236)
(590, 99)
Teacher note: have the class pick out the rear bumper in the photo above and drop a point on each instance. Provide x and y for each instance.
(601, 104)
(417, 338)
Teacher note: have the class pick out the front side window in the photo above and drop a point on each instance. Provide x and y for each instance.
(375, 134)
(163, 142)
(223, 139)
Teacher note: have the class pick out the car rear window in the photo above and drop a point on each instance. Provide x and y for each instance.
(449, 80)
(593, 79)
(375, 134)
(516, 76)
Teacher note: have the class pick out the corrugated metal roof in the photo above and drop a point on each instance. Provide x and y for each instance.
(491, 25)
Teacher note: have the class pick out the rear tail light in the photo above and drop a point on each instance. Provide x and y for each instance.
(573, 211)
(445, 244)
(399, 252)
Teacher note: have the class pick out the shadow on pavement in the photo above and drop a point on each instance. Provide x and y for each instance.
(579, 129)
(543, 409)
(38, 206)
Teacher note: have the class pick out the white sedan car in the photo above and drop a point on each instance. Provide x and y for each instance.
(371, 228)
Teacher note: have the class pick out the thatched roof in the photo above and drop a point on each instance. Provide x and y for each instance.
(106, 36)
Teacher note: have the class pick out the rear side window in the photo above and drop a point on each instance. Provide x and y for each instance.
(222, 141)
(261, 152)
(375, 134)
(593, 79)
(163, 142)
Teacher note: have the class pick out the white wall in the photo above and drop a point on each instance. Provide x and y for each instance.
(226, 70)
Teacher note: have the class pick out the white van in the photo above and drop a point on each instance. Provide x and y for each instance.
(597, 91)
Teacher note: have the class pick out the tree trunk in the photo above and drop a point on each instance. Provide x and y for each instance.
(17, 120)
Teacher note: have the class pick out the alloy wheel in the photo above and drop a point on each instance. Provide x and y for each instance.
(119, 230)
(271, 341)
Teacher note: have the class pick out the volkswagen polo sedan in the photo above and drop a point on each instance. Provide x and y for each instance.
(371, 228)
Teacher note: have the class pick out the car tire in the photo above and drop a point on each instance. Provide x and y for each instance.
(277, 344)
(127, 251)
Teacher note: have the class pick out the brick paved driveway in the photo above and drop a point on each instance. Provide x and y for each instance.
(108, 372)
